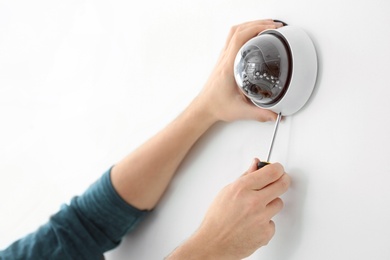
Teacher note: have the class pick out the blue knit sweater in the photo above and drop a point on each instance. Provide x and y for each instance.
(92, 224)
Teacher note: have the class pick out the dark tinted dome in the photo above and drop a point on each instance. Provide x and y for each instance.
(264, 68)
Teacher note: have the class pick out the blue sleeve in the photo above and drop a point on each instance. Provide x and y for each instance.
(92, 224)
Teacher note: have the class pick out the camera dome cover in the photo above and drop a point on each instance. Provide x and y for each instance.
(263, 69)
(277, 70)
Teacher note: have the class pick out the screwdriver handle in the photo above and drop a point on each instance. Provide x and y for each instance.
(262, 164)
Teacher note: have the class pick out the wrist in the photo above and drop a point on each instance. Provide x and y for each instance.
(199, 110)
(196, 248)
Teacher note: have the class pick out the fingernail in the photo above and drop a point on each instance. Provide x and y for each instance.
(279, 21)
(253, 162)
(277, 24)
(271, 119)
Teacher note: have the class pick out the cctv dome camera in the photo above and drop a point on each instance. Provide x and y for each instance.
(277, 69)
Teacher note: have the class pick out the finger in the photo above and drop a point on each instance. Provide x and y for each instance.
(257, 22)
(269, 232)
(234, 29)
(279, 24)
(250, 29)
(253, 112)
(263, 177)
(275, 189)
(253, 166)
(250, 111)
(242, 35)
(274, 207)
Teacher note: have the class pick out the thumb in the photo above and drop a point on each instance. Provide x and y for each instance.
(252, 167)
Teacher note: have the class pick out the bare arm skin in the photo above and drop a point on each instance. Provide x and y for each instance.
(142, 177)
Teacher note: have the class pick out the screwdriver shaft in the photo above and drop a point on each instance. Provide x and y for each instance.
(273, 136)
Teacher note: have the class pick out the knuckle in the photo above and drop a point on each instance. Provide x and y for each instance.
(268, 233)
(273, 175)
(275, 171)
(234, 28)
(278, 167)
(284, 182)
(279, 203)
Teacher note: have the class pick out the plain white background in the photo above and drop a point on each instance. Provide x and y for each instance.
(83, 83)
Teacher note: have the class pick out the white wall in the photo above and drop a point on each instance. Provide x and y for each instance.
(82, 83)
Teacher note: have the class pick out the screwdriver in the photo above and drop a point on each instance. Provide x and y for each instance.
(264, 163)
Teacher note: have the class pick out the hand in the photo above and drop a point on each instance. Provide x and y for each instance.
(239, 220)
(220, 95)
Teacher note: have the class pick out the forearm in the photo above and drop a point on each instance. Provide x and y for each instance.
(142, 177)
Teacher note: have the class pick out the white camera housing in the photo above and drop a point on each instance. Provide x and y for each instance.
(277, 69)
